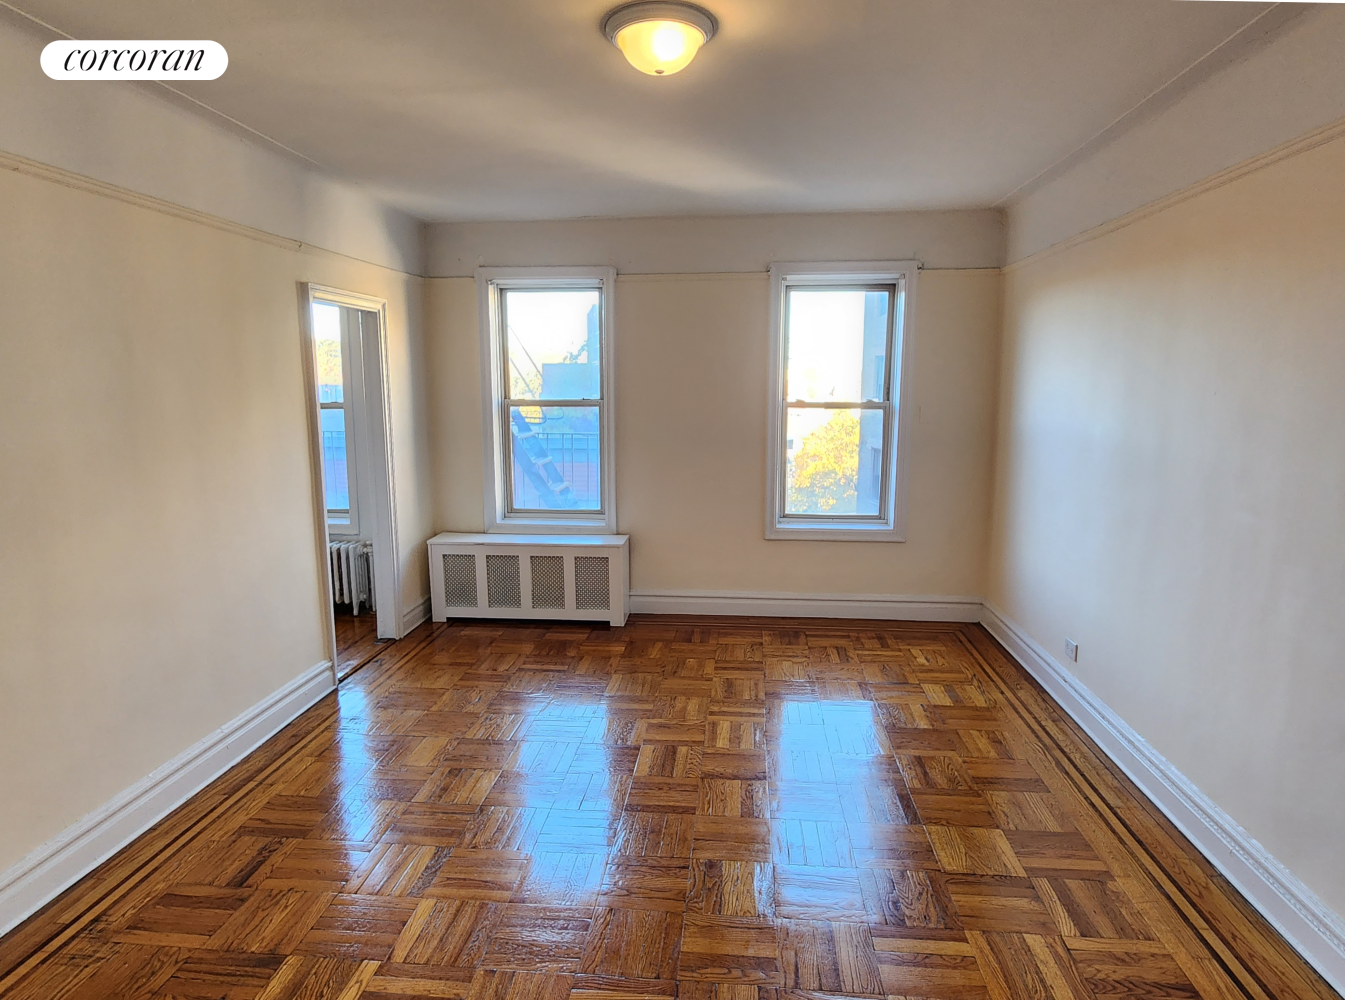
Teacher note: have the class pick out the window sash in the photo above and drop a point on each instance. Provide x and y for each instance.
(341, 515)
(792, 285)
(889, 418)
(885, 405)
(507, 447)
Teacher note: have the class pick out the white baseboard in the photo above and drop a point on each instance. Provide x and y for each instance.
(413, 616)
(889, 607)
(1306, 922)
(49, 869)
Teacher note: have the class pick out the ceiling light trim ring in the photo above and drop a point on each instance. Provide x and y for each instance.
(659, 10)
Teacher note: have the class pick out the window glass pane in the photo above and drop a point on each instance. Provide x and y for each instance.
(557, 457)
(837, 343)
(327, 348)
(335, 474)
(833, 461)
(553, 343)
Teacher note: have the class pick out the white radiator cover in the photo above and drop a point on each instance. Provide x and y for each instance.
(558, 577)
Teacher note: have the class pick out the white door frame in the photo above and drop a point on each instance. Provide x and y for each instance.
(376, 460)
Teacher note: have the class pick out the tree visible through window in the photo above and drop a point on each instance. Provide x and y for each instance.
(824, 474)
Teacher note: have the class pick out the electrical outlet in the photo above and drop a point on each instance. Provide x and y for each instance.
(1072, 650)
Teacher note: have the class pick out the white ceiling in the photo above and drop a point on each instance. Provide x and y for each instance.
(521, 109)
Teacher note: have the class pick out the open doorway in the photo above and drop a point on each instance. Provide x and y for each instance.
(345, 351)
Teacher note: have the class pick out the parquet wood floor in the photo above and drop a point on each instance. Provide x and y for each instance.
(356, 640)
(711, 809)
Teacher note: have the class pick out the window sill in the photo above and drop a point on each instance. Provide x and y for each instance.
(834, 533)
(551, 526)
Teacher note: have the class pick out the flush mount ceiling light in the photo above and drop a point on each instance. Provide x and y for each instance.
(659, 38)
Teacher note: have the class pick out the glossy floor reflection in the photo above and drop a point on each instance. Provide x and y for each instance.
(711, 810)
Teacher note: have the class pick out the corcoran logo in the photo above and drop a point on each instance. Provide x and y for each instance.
(134, 60)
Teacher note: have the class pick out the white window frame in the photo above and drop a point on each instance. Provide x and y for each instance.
(890, 524)
(490, 281)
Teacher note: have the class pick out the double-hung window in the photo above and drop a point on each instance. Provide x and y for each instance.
(547, 389)
(839, 336)
(337, 375)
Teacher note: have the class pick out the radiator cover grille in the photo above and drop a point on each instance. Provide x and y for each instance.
(459, 580)
(548, 581)
(592, 590)
(503, 587)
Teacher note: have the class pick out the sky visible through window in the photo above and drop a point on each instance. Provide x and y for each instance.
(826, 341)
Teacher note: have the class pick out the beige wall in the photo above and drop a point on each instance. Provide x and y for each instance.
(1170, 484)
(142, 138)
(160, 571)
(719, 244)
(1281, 78)
(691, 377)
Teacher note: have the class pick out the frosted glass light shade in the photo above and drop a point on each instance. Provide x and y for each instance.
(659, 38)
